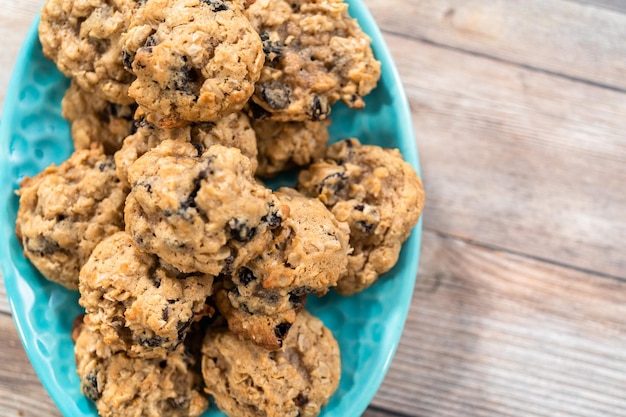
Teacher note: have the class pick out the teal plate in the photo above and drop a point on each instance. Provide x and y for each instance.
(33, 135)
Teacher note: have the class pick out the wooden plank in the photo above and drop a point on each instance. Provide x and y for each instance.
(495, 334)
(4, 302)
(17, 16)
(552, 35)
(489, 333)
(21, 393)
(518, 159)
(377, 412)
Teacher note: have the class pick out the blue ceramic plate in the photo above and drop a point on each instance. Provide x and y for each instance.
(33, 135)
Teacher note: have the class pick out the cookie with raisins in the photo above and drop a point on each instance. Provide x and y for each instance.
(315, 55)
(378, 194)
(248, 380)
(195, 60)
(66, 210)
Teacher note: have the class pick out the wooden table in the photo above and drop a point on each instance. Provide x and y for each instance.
(520, 305)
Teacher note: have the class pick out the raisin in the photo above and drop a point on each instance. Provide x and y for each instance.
(276, 95)
(273, 218)
(166, 313)
(203, 126)
(319, 109)
(244, 307)
(297, 301)
(334, 182)
(182, 327)
(272, 50)
(185, 275)
(303, 290)
(300, 400)
(350, 143)
(191, 74)
(246, 276)
(150, 41)
(151, 342)
(240, 230)
(187, 75)
(257, 112)
(90, 387)
(108, 164)
(281, 331)
(43, 246)
(199, 148)
(230, 259)
(142, 122)
(146, 185)
(197, 183)
(216, 5)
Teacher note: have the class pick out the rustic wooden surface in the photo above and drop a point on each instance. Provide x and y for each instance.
(520, 305)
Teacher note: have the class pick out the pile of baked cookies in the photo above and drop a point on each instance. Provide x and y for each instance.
(192, 273)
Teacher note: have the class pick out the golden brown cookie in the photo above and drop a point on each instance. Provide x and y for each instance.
(195, 60)
(83, 38)
(316, 54)
(307, 255)
(286, 145)
(378, 194)
(66, 210)
(264, 317)
(199, 209)
(120, 385)
(95, 119)
(138, 303)
(233, 131)
(308, 252)
(248, 381)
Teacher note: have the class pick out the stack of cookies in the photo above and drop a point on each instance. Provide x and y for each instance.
(192, 273)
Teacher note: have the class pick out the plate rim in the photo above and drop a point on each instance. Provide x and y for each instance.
(11, 273)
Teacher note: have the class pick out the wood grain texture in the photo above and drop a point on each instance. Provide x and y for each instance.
(16, 16)
(558, 36)
(21, 393)
(4, 302)
(495, 334)
(519, 109)
(615, 5)
(518, 159)
(489, 333)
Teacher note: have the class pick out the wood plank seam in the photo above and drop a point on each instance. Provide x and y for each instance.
(502, 60)
(386, 411)
(526, 255)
